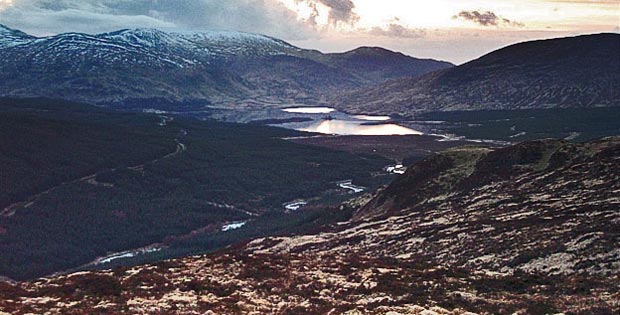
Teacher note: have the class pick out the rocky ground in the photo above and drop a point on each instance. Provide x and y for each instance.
(528, 229)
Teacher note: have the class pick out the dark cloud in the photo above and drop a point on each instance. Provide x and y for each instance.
(486, 18)
(91, 16)
(397, 30)
(341, 11)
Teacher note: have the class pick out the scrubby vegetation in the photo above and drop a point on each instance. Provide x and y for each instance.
(232, 282)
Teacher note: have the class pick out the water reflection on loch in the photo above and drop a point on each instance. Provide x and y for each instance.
(339, 123)
(309, 110)
(344, 127)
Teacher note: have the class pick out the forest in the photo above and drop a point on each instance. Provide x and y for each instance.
(82, 182)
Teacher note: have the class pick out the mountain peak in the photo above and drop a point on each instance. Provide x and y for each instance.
(11, 37)
(152, 37)
(7, 30)
(149, 37)
(372, 50)
(232, 37)
(142, 31)
(4, 28)
(380, 53)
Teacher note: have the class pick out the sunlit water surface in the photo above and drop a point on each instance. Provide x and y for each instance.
(371, 118)
(342, 124)
(309, 110)
(345, 127)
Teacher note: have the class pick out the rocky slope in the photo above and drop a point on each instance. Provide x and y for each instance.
(544, 206)
(151, 68)
(528, 229)
(579, 71)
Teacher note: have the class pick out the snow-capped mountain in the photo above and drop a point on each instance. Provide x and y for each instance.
(10, 37)
(139, 66)
(211, 44)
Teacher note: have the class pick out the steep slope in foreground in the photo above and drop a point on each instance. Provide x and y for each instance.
(529, 229)
(581, 71)
(182, 70)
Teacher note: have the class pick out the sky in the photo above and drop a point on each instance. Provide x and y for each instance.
(452, 30)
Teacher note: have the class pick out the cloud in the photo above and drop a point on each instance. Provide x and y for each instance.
(337, 11)
(270, 17)
(486, 18)
(341, 11)
(587, 2)
(398, 31)
(5, 3)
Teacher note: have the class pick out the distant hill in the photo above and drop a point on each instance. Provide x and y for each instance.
(582, 71)
(146, 68)
(375, 64)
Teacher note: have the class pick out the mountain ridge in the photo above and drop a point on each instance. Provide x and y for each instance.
(580, 71)
(10, 37)
(185, 70)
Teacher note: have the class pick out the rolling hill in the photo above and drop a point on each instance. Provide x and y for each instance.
(582, 71)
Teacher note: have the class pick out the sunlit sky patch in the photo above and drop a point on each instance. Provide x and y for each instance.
(453, 30)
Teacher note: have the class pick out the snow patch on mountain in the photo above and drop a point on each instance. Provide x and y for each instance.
(10, 37)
